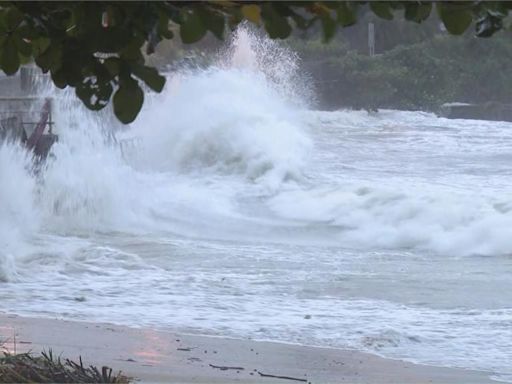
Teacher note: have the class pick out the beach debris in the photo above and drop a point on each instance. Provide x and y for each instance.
(184, 349)
(225, 368)
(281, 377)
(46, 368)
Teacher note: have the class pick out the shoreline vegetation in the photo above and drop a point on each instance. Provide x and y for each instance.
(47, 368)
(420, 75)
(150, 355)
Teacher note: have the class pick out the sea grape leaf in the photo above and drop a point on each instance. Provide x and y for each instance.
(9, 59)
(328, 27)
(13, 18)
(346, 15)
(23, 46)
(59, 78)
(455, 17)
(381, 9)
(252, 12)
(213, 21)
(417, 12)
(150, 76)
(51, 58)
(191, 28)
(128, 100)
(94, 96)
(276, 25)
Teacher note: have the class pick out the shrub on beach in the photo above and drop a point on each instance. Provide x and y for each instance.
(46, 368)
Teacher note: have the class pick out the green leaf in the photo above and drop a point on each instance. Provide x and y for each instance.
(455, 17)
(417, 12)
(192, 28)
(252, 13)
(423, 12)
(276, 26)
(25, 59)
(9, 59)
(51, 58)
(59, 78)
(113, 65)
(3, 21)
(40, 45)
(150, 76)
(215, 23)
(72, 69)
(381, 9)
(346, 15)
(128, 101)
(163, 26)
(132, 50)
(328, 27)
(23, 47)
(13, 18)
(95, 96)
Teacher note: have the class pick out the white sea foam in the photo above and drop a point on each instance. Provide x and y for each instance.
(429, 219)
(18, 218)
(243, 120)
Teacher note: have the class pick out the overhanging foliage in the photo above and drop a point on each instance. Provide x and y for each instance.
(97, 47)
(47, 368)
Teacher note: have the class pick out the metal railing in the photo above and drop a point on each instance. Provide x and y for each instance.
(27, 120)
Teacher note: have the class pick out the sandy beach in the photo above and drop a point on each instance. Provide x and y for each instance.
(158, 356)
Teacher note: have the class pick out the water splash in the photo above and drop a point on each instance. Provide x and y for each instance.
(243, 119)
(18, 216)
(249, 50)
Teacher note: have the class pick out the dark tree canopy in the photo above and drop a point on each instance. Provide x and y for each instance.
(97, 47)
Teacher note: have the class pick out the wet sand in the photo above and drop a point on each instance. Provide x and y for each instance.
(159, 356)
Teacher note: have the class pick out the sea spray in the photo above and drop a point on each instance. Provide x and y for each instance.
(18, 216)
(86, 186)
(237, 117)
(250, 50)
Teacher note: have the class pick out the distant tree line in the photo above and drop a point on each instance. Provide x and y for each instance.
(415, 67)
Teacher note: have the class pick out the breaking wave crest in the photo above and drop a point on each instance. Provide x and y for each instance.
(234, 142)
(240, 116)
(18, 216)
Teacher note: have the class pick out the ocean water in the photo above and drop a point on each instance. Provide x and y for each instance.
(233, 207)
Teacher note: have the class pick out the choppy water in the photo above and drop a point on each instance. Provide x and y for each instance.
(241, 211)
